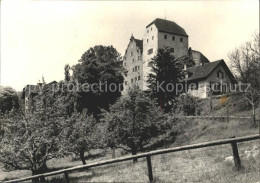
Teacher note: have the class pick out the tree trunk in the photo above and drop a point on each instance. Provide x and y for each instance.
(254, 121)
(41, 170)
(81, 154)
(113, 152)
(134, 151)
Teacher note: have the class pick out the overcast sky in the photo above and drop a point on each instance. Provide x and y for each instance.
(40, 37)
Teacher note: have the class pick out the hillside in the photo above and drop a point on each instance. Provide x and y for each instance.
(212, 164)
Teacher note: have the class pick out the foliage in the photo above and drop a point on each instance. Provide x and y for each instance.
(187, 105)
(132, 121)
(99, 67)
(29, 141)
(166, 73)
(67, 73)
(8, 99)
(81, 134)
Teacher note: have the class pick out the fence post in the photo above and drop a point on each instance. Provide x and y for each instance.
(67, 177)
(150, 170)
(237, 161)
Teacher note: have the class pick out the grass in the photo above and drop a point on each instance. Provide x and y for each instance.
(196, 166)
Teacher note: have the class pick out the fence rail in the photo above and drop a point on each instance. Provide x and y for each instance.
(215, 117)
(233, 141)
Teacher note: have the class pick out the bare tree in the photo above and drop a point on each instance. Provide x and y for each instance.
(245, 62)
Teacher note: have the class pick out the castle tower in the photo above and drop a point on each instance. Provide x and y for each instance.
(158, 34)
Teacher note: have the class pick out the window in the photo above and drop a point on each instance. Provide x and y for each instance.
(133, 60)
(138, 68)
(165, 36)
(132, 53)
(150, 51)
(172, 50)
(139, 77)
(193, 86)
(147, 31)
(135, 78)
(181, 39)
(125, 82)
(132, 80)
(173, 38)
(151, 28)
(147, 40)
(152, 37)
(133, 69)
(137, 51)
(220, 74)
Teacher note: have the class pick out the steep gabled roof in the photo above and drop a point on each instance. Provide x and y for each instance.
(168, 27)
(203, 71)
(139, 43)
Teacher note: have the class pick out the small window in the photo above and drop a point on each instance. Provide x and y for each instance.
(132, 53)
(165, 36)
(133, 69)
(147, 31)
(139, 77)
(152, 37)
(172, 50)
(132, 80)
(133, 60)
(150, 51)
(173, 38)
(138, 68)
(125, 82)
(181, 39)
(137, 51)
(135, 78)
(151, 28)
(147, 40)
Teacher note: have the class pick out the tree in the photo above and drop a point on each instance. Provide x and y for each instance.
(187, 104)
(245, 62)
(67, 72)
(132, 121)
(8, 99)
(101, 69)
(30, 141)
(166, 73)
(81, 134)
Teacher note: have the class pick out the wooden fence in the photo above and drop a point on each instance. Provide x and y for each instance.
(233, 141)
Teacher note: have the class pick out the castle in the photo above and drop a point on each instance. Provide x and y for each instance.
(164, 33)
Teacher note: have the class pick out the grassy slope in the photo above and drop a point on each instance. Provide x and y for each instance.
(202, 165)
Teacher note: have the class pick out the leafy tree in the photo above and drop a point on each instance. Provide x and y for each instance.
(81, 134)
(187, 105)
(8, 99)
(67, 72)
(166, 72)
(29, 141)
(132, 121)
(101, 69)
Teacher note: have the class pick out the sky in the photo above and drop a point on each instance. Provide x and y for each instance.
(39, 37)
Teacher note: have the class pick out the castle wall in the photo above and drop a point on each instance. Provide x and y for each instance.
(133, 60)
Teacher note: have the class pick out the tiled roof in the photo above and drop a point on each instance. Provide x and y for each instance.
(202, 71)
(168, 27)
